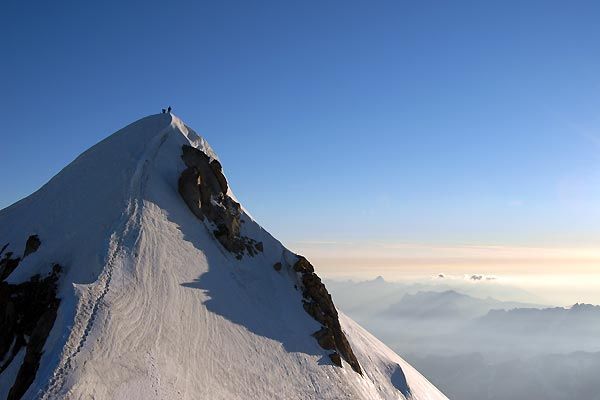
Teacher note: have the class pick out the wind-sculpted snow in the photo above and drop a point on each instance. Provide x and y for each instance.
(153, 306)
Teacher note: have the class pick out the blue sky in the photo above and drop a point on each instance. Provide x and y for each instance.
(430, 122)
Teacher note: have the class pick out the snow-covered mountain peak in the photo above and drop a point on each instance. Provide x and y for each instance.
(193, 138)
(135, 273)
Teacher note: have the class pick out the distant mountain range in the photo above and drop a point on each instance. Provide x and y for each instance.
(473, 346)
(571, 376)
(536, 331)
(448, 304)
(365, 299)
(580, 317)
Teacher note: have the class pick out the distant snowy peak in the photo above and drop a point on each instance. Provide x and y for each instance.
(135, 274)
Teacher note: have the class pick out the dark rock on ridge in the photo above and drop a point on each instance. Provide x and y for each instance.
(35, 305)
(8, 265)
(335, 358)
(318, 303)
(325, 338)
(3, 248)
(204, 189)
(33, 243)
(27, 314)
(189, 188)
(303, 266)
(218, 170)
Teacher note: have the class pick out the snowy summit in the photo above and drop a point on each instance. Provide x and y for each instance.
(135, 274)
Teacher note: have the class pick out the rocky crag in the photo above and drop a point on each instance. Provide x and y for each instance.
(204, 189)
(27, 314)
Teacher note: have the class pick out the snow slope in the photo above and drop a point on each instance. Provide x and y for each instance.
(153, 307)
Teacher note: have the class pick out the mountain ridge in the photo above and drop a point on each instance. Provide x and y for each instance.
(153, 304)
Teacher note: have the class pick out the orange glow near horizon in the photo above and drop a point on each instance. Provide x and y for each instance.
(406, 259)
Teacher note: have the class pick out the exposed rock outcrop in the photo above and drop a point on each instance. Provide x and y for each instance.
(8, 265)
(27, 314)
(189, 188)
(325, 338)
(335, 358)
(3, 248)
(204, 189)
(218, 171)
(318, 303)
(33, 243)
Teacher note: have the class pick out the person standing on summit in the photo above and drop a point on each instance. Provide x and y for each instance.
(169, 110)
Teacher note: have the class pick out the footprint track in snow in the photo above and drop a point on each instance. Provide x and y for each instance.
(128, 225)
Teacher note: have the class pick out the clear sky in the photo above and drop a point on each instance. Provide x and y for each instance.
(462, 135)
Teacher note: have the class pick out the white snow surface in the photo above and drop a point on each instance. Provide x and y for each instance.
(152, 307)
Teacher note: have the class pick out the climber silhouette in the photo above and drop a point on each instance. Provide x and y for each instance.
(169, 110)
